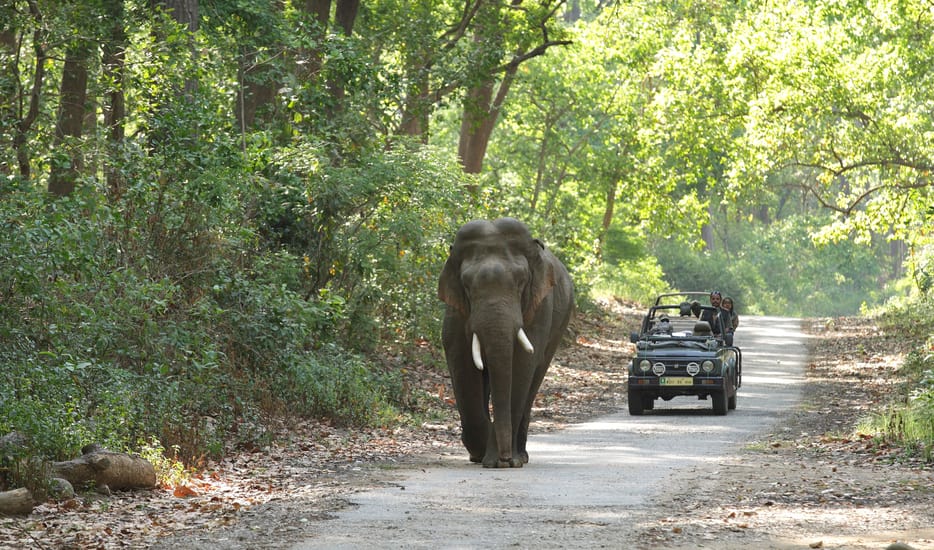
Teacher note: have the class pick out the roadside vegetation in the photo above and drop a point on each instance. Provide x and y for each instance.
(908, 419)
(249, 225)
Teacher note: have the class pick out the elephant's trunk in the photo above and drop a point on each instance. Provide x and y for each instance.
(476, 351)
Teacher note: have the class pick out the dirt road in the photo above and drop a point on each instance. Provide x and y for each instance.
(592, 485)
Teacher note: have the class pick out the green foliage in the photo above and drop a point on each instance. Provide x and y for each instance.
(332, 384)
(778, 270)
(628, 270)
(171, 316)
(374, 231)
(170, 472)
(908, 419)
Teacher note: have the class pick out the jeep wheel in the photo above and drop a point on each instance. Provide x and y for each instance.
(719, 402)
(731, 402)
(636, 405)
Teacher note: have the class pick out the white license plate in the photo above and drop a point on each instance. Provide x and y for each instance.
(676, 381)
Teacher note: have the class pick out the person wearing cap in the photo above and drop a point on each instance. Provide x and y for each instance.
(663, 326)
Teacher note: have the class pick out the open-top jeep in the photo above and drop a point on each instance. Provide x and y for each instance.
(681, 349)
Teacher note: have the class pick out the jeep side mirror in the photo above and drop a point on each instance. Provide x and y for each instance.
(633, 337)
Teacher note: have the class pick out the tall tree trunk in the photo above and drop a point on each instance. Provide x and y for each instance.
(608, 212)
(9, 93)
(257, 90)
(573, 12)
(418, 104)
(481, 106)
(114, 64)
(481, 110)
(320, 11)
(71, 113)
(345, 16)
(20, 139)
(186, 13)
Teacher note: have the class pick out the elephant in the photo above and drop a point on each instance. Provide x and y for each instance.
(508, 304)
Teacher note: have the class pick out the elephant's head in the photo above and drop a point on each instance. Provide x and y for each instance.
(494, 282)
(496, 276)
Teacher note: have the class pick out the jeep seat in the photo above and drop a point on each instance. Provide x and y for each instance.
(702, 328)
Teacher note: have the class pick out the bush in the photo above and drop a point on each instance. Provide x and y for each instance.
(639, 280)
(331, 383)
(909, 419)
(168, 313)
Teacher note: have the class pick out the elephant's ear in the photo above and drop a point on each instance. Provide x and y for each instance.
(542, 271)
(450, 289)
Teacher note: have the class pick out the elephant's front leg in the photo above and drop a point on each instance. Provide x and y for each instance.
(471, 389)
(476, 428)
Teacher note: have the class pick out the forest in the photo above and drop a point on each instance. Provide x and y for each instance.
(216, 212)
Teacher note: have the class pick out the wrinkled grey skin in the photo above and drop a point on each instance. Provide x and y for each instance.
(497, 280)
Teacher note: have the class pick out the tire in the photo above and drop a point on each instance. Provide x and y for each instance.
(636, 405)
(731, 402)
(648, 403)
(719, 403)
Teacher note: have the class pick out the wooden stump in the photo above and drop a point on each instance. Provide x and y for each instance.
(17, 502)
(116, 471)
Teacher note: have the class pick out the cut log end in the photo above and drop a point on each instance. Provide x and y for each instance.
(117, 471)
(17, 502)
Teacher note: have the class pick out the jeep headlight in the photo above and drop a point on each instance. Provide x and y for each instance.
(645, 365)
(707, 366)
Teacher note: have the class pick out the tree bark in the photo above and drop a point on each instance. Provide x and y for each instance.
(20, 139)
(114, 63)
(346, 15)
(71, 111)
(320, 11)
(482, 106)
(17, 502)
(187, 13)
(9, 90)
(101, 467)
(481, 110)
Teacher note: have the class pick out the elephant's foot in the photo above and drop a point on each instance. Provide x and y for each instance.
(476, 459)
(524, 457)
(504, 463)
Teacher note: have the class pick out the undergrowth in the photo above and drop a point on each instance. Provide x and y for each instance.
(908, 419)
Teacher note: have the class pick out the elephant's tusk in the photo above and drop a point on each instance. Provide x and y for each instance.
(475, 350)
(525, 341)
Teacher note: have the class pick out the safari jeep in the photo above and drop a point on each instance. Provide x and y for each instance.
(681, 351)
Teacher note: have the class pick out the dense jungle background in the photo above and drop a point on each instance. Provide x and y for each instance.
(218, 212)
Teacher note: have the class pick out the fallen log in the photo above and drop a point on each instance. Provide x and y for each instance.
(17, 502)
(103, 468)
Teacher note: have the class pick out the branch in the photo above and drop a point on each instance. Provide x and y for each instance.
(920, 183)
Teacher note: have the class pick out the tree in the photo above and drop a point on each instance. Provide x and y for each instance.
(488, 85)
(20, 122)
(72, 108)
(113, 51)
